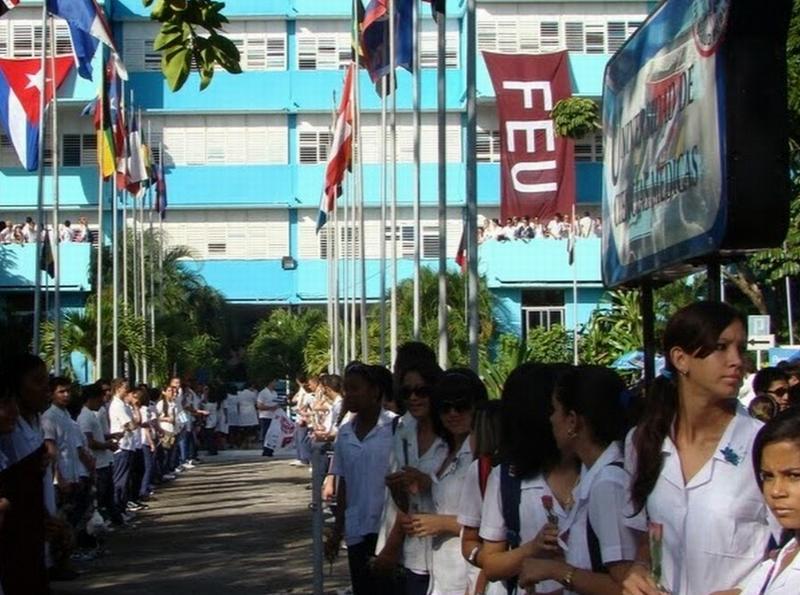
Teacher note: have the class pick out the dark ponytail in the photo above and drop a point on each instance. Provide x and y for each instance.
(695, 329)
(660, 410)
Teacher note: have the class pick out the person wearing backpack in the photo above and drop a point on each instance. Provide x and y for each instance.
(589, 418)
(485, 439)
(529, 495)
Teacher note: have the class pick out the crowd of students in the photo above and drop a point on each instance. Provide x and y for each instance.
(25, 233)
(79, 462)
(571, 482)
(528, 228)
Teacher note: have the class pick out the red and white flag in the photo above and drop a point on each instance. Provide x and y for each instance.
(340, 153)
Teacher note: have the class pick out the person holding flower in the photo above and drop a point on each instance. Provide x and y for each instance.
(589, 419)
(543, 479)
(688, 458)
(776, 460)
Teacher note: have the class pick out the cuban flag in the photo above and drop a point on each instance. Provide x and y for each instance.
(21, 83)
(340, 152)
(6, 5)
(87, 26)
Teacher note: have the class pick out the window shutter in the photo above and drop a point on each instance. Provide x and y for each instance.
(89, 149)
(71, 150)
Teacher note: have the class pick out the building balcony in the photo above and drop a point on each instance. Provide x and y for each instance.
(18, 267)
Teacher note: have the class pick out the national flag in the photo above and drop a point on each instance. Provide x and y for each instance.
(21, 83)
(6, 5)
(106, 156)
(86, 22)
(461, 253)
(47, 261)
(340, 152)
(161, 190)
(137, 168)
(375, 36)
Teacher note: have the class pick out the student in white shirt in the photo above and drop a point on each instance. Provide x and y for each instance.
(303, 402)
(56, 423)
(454, 399)
(485, 444)
(266, 404)
(585, 225)
(248, 414)
(361, 460)
(100, 446)
(167, 420)
(140, 399)
(22, 540)
(417, 454)
(776, 460)
(211, 407)
(689, 457)
(589, 418)
(122, 423)
(540, 470)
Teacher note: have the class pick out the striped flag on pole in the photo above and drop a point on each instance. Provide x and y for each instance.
(6, 5)
(340, 152)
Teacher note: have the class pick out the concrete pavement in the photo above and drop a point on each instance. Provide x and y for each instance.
(237, 523)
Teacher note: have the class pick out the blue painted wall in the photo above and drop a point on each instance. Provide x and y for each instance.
(18, 269)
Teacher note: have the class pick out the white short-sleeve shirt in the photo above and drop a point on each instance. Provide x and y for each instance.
(90, 424)
(232, 407)
(57, 428)
(532, 514)
(416, 550)
(765, 581)
(267, 397)
(120, 414)
(716, 527)
(364, 465)
(247, 408)
(602, 499)
(449, 570)
(469, 507)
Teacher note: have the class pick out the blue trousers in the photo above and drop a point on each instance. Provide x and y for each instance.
(123, 460)
(149, 459)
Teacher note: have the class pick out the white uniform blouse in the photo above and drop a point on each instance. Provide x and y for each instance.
(532, 514)
(601, 498)
(449, 569)
(405, 452)
(764, 581)
(364, 465)
(716, 527)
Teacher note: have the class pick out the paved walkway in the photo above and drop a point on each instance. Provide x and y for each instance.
(237, 524)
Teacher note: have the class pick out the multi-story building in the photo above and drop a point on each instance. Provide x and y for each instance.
(245, 158)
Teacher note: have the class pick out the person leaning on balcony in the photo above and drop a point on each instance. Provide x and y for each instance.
(80, 232)
(6, 232)
(585, 225)
(29, 230)
(65, 232)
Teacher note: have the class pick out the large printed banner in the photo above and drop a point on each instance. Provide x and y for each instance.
(685, 156)
(537, 167)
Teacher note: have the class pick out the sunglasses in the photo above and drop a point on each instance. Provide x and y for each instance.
(424, 392)
(779, 392)
(460, 406)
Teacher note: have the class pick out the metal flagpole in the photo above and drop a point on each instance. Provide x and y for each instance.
(134, 272)
(351, 226)
(329, 305)
(115, 283)
(336, 290)
(789, 315)
(574, 233)
(143, 280)
(441, 117)
(56, 235)
(37, 290)
(152, 245)
(98, 367)
(415, 24)
(359, 168)
(471, 188)
(382, 237)
(346, 243)
(393, 160)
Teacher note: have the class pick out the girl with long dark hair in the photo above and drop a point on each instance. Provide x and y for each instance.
(535, 468)
(589, 419)
(776, 461)
(689, 460)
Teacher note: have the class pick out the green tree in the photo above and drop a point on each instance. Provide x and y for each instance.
(575, 117)
(278, 344)
(190, 37)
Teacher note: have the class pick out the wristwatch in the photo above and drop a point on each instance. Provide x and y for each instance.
(567, 580)
(473, 556)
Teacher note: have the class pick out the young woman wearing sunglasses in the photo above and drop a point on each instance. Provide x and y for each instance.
(773, 383)
(417, 453)
(454, 400)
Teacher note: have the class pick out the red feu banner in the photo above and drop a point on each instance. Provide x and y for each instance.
(537, 167)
